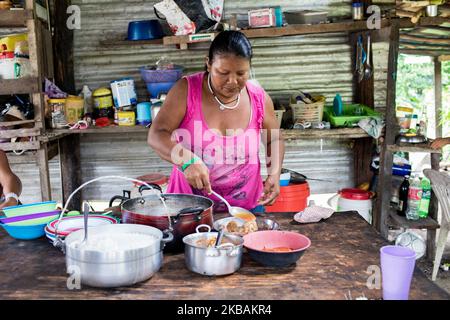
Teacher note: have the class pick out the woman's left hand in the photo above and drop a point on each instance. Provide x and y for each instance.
(271, 191)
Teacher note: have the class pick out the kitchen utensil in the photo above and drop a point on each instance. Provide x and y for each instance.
(411, 139)
(262, 223)
(212, 261)
(298, 177)
(260, 243)
(85, 216)
(186, 212)
(368, 69)
(151, 74)
(144, 30)
(237, 212)
(119, 266)
(219, 237)
(31, 208)
(156, 88)
(25, 232)
(31, 219)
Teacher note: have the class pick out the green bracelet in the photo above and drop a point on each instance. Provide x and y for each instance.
(187, 164)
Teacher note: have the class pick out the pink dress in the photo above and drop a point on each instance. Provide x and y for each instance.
(232, 160)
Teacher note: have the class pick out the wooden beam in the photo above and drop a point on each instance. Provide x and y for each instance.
(385, 181)
(437, 97)
(444, 58)
(14, 18)
(19, 86)
(44, 173)
(70, 163)
(63, 48)
(433, 213)
(441, 41)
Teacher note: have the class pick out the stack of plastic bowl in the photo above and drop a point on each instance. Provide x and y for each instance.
(160, 81)
(26, 222)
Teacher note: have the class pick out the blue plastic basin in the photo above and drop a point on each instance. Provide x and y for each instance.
(144, 30)
(25, 232)
(155, 88)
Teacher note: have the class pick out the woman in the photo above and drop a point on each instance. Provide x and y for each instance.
(10, 184)
(210, 128)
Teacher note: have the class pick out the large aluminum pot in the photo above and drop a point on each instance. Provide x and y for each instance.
(186, 212)
(115, 268)
(212, 261)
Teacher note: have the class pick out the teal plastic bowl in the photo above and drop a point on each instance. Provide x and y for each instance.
(25, 232)
(30, 208)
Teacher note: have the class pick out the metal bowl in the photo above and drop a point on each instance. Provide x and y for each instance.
(263, 224)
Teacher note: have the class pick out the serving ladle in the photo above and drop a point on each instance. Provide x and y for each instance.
(236, 212)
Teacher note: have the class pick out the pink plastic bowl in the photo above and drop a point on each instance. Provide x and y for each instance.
(256, 242)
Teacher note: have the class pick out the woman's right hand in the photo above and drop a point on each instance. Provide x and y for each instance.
(197, 175)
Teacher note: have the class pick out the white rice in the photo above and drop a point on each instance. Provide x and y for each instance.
(116, 242)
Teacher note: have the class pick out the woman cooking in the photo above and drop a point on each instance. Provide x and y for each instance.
(210, 127)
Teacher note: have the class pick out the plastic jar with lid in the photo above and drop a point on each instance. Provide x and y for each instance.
(57, 111)
(358, 11)
(103, 103)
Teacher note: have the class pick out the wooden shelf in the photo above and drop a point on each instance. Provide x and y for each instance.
(423, 22)
(122, 42)
(401, 222)
(50, 136)
(109, 129)
(408, 147)
(339, 133)
(19, 86)
(15, 18)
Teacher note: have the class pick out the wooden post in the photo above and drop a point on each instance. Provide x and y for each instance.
(437, 96)
(385, 181)
(44, 172)
(69, 155)
(63, 48)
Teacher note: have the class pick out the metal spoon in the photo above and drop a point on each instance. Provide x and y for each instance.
(368, 70)
(220, 236)
(235, 210)
(86, 209)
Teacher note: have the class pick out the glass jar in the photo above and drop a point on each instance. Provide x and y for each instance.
(57, 108)
(358, 11)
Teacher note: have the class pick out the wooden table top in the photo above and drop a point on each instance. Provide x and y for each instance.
(342, 249)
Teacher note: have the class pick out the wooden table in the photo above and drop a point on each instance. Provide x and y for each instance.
(342, 249)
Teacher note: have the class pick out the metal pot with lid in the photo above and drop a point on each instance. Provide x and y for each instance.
(180, 214)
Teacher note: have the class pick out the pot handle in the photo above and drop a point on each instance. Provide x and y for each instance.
(201, 226)
(121, 198)
(195, 210)
(151, 186)
(167, 237)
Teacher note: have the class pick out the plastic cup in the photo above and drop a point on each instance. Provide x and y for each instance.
(397, 268)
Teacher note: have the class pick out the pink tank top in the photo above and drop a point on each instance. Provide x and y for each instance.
(232, 160)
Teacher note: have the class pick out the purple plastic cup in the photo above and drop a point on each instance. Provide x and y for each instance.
(397, 268)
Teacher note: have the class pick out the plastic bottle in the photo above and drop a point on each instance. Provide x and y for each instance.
(414, 195)
(403, 197)
(425, 200)
(86, 93)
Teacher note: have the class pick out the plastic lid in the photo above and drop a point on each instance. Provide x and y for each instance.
(357, 4)
(101, 92)
(56, 100)
(156, 178)
(354, 194)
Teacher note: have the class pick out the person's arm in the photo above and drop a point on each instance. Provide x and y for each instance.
(160, 138)
(274, 145)
(439, 143)
(9, 181)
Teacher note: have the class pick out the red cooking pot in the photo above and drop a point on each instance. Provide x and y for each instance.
(183, 214)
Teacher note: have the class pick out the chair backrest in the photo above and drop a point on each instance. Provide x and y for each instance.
(440, 183)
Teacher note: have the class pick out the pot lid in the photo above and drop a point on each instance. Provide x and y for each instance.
(156, 178)
(354, 194)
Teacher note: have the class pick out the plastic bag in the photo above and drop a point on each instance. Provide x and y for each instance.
(199, 11)
(178, 22)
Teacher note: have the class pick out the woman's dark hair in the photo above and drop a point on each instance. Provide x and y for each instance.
(233, 42)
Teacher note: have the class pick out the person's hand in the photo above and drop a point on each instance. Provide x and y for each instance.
(9, 203)
(197, 175)
(439, 143)
(271, 190)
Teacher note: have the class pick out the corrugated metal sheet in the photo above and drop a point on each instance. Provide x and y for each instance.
(380, 62)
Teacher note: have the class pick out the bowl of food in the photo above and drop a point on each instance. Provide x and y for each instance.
(274, 248)
(239, 227)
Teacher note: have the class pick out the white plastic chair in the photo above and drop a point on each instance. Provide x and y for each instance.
(440, 183)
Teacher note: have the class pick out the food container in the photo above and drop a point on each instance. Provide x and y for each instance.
(266, 247)
(262, 18)
(124, 92)
(57, 108)
(144, 113)
(144, 30)
(292, 198)
(126, 118)
(29, 232)
(25, 209)
(103, 103)
(155, 89)
(74, 109)
(212, 261)
(159, 179)
(9, 43)
(358, 11)
(185, 212)
(262, 223)
(152, 74)
(116, 265)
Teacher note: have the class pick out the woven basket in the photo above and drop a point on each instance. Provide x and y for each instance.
(312, 112)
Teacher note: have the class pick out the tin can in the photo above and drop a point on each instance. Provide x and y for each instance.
(126, 118)
(124, 92)
(57, 108)
(358, 11)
